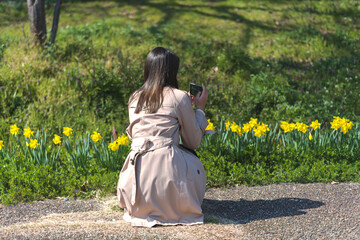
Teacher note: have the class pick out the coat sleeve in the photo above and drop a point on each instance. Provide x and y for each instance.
(192, 124)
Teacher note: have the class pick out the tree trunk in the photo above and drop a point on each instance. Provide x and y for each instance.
(36, 11)
(55, 21)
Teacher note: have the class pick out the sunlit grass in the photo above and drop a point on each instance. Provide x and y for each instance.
(276, 60)
(299, 44)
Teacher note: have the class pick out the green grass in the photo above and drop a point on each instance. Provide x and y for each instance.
(276, 60)
(273, 60)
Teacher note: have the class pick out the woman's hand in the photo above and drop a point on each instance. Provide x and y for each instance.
(192, 98)
(200, 100)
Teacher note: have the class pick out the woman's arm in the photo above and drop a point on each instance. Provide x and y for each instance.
(192, 124)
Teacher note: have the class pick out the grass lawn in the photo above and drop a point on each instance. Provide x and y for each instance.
(295, 61)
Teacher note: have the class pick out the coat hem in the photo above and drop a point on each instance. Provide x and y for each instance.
(150, 222)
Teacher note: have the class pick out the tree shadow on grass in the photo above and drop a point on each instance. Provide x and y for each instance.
(244, 211)
(172, 9)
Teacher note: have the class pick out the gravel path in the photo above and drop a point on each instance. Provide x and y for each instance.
(284, 211)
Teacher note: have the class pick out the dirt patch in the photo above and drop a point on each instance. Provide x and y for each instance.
(103, 220)
(284, 211)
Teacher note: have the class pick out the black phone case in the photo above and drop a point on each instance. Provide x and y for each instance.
(195, 88)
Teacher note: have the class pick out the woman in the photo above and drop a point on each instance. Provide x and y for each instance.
(162, 182)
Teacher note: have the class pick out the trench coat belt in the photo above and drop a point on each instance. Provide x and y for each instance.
(140, 146)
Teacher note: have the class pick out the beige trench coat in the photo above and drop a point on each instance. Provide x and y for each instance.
(161, 182)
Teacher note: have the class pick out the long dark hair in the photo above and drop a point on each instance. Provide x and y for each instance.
(161, 68)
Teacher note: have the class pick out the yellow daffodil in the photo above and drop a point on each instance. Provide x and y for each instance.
(287, 127)
(342, 123)
(210, 126)
(234, 127)
(96, 136)
(336, 123)
(227, 125)
(265, 126)
(122, 140)
(57, 139)
(345, 128)
(239, 131)
(67, 131)
(310, 137)
(292, 126)
(14, 130)
(315, 125)
(253, 122)
(113, 146)
(33, 143)
(348, 125)
(28, 133)
(284, 126)
(1, 144)
(257, 132)
(261, 129)
(246, 127)
(302, 127)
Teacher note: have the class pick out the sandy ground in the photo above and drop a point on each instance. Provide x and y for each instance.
(284, 211)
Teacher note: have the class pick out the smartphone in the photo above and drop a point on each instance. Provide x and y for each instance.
(195, 88)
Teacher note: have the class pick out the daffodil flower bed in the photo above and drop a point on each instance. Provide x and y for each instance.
(80, 149)
(257, 153)
(34, 166)
(342, 136)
